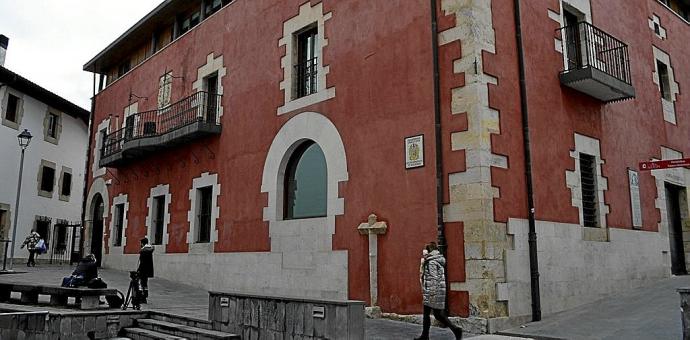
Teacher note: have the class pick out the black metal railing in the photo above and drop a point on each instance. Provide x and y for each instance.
(199, 107)
(305, 77)
(586, 46)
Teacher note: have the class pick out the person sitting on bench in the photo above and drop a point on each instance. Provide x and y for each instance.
(86, 271)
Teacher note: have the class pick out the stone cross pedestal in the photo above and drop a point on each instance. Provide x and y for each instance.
(373, 228)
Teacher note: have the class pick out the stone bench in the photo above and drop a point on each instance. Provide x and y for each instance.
(86, 298)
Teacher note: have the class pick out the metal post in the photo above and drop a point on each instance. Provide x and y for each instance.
(16, 209)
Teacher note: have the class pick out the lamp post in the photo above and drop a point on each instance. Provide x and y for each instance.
(24, 139)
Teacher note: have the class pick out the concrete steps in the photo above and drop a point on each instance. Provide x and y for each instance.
(160, 329)
(146, 334)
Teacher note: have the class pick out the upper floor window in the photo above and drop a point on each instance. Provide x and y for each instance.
(305, 183)
(212, 6)
(11, 113)
(52, 125)
(124, 68)
(682, 8)
(664, 80)
(66, 185)
(189, 22)
(307, 62)
(47, 179)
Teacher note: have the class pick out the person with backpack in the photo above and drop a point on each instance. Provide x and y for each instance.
(145, 268)
(30, 242)
(433, 279)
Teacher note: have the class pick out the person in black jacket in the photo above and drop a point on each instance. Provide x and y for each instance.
(145, 266)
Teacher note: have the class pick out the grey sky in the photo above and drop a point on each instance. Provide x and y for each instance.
(51, 40)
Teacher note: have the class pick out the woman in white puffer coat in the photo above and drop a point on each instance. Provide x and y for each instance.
(433, 279)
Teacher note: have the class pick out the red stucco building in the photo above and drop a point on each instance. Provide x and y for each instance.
(251, 140)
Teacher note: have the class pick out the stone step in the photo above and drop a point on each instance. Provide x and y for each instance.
(185, 331)
(182, 320)
(147, 334)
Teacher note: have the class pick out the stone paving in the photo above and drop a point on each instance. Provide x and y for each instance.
(647, 313)
(651, 313)
(170, 297)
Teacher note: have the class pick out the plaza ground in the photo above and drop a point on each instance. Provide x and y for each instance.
(647, 313)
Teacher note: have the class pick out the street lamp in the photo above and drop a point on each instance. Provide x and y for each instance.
(24, 139)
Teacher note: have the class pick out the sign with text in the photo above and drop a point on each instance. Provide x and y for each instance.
(635, 205)
(414, 152)
(665, 164)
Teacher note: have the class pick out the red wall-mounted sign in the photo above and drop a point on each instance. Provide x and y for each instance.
(665, 164)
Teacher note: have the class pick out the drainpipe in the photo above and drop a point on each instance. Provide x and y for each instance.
(441, 229)
(532, 235)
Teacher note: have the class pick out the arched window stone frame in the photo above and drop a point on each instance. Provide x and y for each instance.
(305, 126)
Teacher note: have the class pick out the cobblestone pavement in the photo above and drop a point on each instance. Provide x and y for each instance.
(170, 297)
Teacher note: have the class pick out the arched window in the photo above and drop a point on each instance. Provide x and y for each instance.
(305, 183)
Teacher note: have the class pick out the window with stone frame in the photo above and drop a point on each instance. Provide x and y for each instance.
(158, 220)
(664, 80)
(12, 110)
(204, 209)
(47, 179)
(66, 185)
(53, 123)
(306, 67)
(60, 231)
(119, 216)
(590, 201)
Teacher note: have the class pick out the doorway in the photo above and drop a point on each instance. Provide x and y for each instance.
(97, 229)
(675, 229)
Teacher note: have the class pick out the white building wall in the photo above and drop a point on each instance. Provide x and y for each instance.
(70, 152)
(574, 271)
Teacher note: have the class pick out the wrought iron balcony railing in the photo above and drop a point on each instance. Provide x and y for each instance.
(305, 78)
(199, 111)
(597, 63)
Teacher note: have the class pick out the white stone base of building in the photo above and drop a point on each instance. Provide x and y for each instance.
(573, 271)
(318, 275)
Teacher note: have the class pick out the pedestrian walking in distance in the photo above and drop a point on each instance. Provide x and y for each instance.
(433, 279)
(145, 267)
(30, 242)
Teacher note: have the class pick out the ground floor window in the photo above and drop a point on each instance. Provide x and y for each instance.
(158, 219)
(305, 183)
(119, 216)
(590, 200)
(204, 214)
(43, 227)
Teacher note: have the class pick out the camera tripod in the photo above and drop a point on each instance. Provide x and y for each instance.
(134, 292)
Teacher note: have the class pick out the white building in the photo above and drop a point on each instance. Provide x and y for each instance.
(53, 176)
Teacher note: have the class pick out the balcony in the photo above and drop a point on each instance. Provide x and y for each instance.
(191, 118)
(597, 64)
